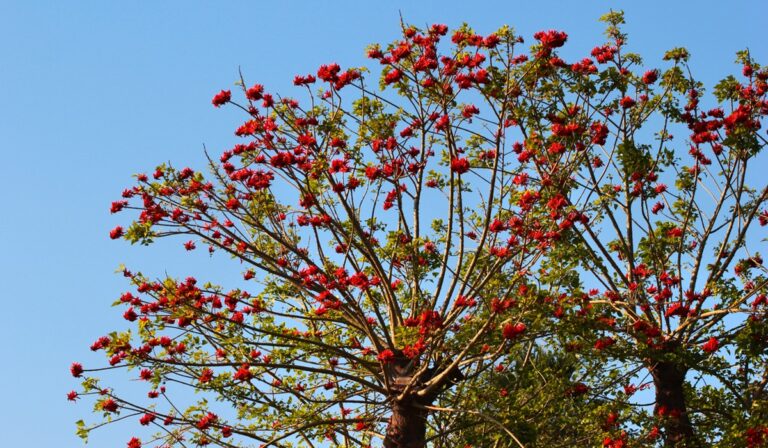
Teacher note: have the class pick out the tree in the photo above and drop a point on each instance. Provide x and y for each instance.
(669, 276)
(410, 245)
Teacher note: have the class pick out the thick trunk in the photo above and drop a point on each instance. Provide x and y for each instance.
(407, 427)
(669, 378)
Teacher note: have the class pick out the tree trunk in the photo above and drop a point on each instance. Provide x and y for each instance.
(407, 427)
(669, 378)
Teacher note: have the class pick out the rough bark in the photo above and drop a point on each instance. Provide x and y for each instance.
(407, 427)
(668, 379)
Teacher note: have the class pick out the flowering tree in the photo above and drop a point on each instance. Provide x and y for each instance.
(409, 245)
(664, 276)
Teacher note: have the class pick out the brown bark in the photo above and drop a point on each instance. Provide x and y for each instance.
(668, 379)
(407, 427)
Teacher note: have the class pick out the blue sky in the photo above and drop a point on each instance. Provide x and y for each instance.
(92, 92)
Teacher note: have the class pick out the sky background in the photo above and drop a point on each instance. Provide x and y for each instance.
(92, 92)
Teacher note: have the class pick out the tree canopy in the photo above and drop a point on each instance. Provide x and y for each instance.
(484, 245)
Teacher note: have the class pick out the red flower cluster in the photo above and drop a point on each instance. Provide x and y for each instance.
(222, 98)
(511, 331)
(627, 102)
(459, 165)
(603, 343)
(711, 345)
(207, 420)
(76, 369)
(386, 356)
(551, 39)
(109, 405)
(243, 374)
(116, 233)
(650, 76)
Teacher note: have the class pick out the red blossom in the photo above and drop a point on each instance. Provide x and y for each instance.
(386, 356)
(711, 345)
(109, 405)
(328, 72)
(599, 133)
(243, 374)
(146, 419)
(206, 421)
(650, 76)
(221, 98)
(116, 233)
(255, 93)
(551, 38)
(459, 165)
(627, 102)
(393, 76)
(76, 369)
(206, 375)
(117, 206)
(603, 343)
(511, 331)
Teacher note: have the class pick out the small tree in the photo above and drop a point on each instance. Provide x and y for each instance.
(404, 243)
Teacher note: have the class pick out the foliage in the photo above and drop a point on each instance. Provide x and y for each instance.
(482, 251)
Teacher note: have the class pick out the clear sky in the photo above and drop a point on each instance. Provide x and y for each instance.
(92, 92)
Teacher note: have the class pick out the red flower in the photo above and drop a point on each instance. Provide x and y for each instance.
(599, 133)
(130, 315)
(221, 98)
(233, 204)
(604, 343)
(650, 76)
(497, 226)
(303, 80)
(134, 443)
(393, 76)
(386, 356)
(242, 374)
(551, 38)
(255, 93)
(491, 41)
(511, 331)
(328, 72)
(675, 232)
(117, 206)
(711, 345)
(109, 405)
(116, 233)
(577, 389)
(676, 309)
(146, 419)
(459, 165)
(206, 375)
(469, 111)
(72, 396)
(627, 102)
(76, 369)
(556, 148)
(207, 420)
